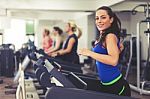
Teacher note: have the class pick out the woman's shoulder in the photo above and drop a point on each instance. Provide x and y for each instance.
(74, 36)
(111, 35)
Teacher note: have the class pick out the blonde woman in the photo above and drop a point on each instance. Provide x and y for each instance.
(69, 50)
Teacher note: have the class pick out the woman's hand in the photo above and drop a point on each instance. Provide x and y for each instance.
(54, 54)
(84, 52)
(121, 47)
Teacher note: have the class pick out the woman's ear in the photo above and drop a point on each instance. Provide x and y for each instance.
(111, 20)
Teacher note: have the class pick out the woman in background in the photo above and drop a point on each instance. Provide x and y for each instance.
(69, 50)
(58, 40)
(47, 41)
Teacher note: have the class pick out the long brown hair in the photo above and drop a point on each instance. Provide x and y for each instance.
(115, 27)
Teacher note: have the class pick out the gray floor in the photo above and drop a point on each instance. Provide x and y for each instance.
(137, 95)
(6, 81)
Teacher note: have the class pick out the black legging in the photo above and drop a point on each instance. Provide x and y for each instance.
(121, 87)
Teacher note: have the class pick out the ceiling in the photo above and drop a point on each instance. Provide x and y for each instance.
(60, 9)
(51, 9)
(56, 5)
(128, 5)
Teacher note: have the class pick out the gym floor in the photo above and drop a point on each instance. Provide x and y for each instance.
(8, 81)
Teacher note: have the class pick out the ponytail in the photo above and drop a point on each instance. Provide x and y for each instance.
(79, 32)
(75, 28)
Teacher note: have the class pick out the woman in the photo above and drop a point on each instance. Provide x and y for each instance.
(69, 50)
(58, 40)
(106, 53)
(47, 41)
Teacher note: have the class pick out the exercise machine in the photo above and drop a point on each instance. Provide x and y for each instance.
(140, 83)
(26, 88)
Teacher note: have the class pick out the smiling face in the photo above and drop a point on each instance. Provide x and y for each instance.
(102, 20)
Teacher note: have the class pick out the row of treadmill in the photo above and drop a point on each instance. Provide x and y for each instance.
(55, 79)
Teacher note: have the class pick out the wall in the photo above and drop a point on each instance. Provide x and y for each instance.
(125, 18)
(91, 30)
(42, 24)
(83, 41)
(87, 25)
(16, 33)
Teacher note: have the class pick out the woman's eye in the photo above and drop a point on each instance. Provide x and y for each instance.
(96, 18)
(103, 17)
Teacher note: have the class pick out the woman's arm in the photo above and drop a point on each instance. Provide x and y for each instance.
(57, 45)
(65, 51)
(112, 48)
(121, 47)
(69, 47)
